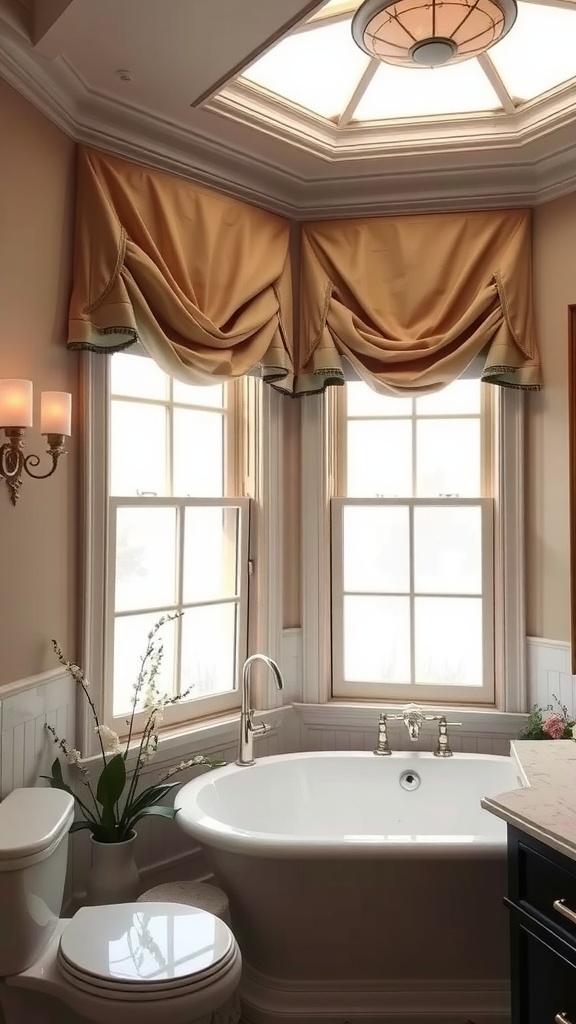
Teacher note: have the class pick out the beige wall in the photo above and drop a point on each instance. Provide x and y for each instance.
(38, 538)
(547, 513)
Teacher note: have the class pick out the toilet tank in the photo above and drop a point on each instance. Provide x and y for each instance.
(34, 826)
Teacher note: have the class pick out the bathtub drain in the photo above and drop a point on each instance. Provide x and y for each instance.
(409, 780)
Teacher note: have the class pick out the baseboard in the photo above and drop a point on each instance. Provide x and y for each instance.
(271, 1001)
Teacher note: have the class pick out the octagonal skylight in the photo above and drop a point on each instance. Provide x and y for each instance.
(318, 69)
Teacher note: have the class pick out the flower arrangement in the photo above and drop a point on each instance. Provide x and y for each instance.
(112, 809)
(549, 723)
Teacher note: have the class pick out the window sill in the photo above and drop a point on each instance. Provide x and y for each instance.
(211, 734)
(364, 716)
(208, 737)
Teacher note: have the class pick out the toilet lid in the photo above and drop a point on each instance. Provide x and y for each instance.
(146, 948)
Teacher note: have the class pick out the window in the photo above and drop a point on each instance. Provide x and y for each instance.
(173, 482)
(177, 543)
(412, 549)
(413, 579)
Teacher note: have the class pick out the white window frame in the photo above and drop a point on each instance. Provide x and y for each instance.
(319, 471)
(177, 714)
(260, 451)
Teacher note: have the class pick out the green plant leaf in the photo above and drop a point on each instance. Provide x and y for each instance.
(112, 781)
(77, 825)
(154, 794)
(56, 779)
(159, 811)
(110, 788)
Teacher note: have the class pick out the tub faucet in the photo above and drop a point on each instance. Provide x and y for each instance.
(248, 727)
(413, 718)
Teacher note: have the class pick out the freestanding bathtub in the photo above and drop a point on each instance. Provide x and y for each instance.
(362, 888)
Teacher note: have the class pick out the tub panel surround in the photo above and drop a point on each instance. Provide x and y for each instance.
(351, 895)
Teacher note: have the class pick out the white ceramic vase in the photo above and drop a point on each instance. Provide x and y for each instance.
(114, 877)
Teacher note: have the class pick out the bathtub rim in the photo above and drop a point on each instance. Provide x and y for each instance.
(210, 832)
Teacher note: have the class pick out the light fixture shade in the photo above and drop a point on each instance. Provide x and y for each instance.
(15, 403)
(430, 33)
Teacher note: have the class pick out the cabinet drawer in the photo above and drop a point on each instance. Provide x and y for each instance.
(545, 992)
(547, 888)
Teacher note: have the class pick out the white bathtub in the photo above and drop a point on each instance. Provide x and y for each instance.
(348, 803)
(352, 894)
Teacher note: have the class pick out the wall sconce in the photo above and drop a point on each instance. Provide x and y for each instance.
(16, 417)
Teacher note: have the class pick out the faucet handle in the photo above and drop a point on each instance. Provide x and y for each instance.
(443, 747)
(382, 748)
(257, 728)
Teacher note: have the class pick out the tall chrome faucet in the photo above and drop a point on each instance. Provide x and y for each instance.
(248, 728)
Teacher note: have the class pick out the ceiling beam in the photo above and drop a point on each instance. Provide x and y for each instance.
(47, 25)
(249, 29)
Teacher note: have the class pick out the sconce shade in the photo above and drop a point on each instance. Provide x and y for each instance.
(15, 403)
(55, 413)
(430, 33)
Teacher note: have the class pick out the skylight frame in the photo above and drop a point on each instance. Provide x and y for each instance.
(269, 105)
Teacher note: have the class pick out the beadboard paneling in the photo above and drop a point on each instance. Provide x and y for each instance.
(548, 667)
(26, 748)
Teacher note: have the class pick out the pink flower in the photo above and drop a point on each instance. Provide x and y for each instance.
(554, 727)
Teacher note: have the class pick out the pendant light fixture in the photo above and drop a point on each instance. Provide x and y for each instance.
(430, 33)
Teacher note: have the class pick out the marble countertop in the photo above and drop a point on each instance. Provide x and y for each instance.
(546, 807)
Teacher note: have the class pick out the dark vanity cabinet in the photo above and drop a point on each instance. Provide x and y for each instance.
(542, 904)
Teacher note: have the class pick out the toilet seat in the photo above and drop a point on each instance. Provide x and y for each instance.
(153, 951)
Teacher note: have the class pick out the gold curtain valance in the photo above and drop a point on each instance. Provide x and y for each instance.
(200, 279)
(410, 301)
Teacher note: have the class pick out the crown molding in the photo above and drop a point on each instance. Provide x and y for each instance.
(527, 161)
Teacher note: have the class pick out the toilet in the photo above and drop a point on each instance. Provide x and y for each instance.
(137, 963)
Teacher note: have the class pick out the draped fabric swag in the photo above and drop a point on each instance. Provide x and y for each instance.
(410, 301)
(203, 281)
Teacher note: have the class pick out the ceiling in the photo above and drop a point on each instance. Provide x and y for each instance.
(253, 97)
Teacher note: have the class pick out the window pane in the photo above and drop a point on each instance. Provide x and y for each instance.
(526, 67)
(198, 453)
(379, 459)
(137, 377)
(462, 396)
(209, 650)
(211, 396)
(210, 554)
(377, 639)
(328, 67)
(448, 641)
(376, 549)
(363, 401)
(410, 92)
(145, 558)
(137, 449)
(130, 640)
(448, 458)
(448, 550)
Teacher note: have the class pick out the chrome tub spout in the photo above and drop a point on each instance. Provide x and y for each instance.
(413, 719)
(248, 727)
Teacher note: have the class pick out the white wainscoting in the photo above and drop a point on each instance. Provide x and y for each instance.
(164, 851)
(549, 675)
(26, 707)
